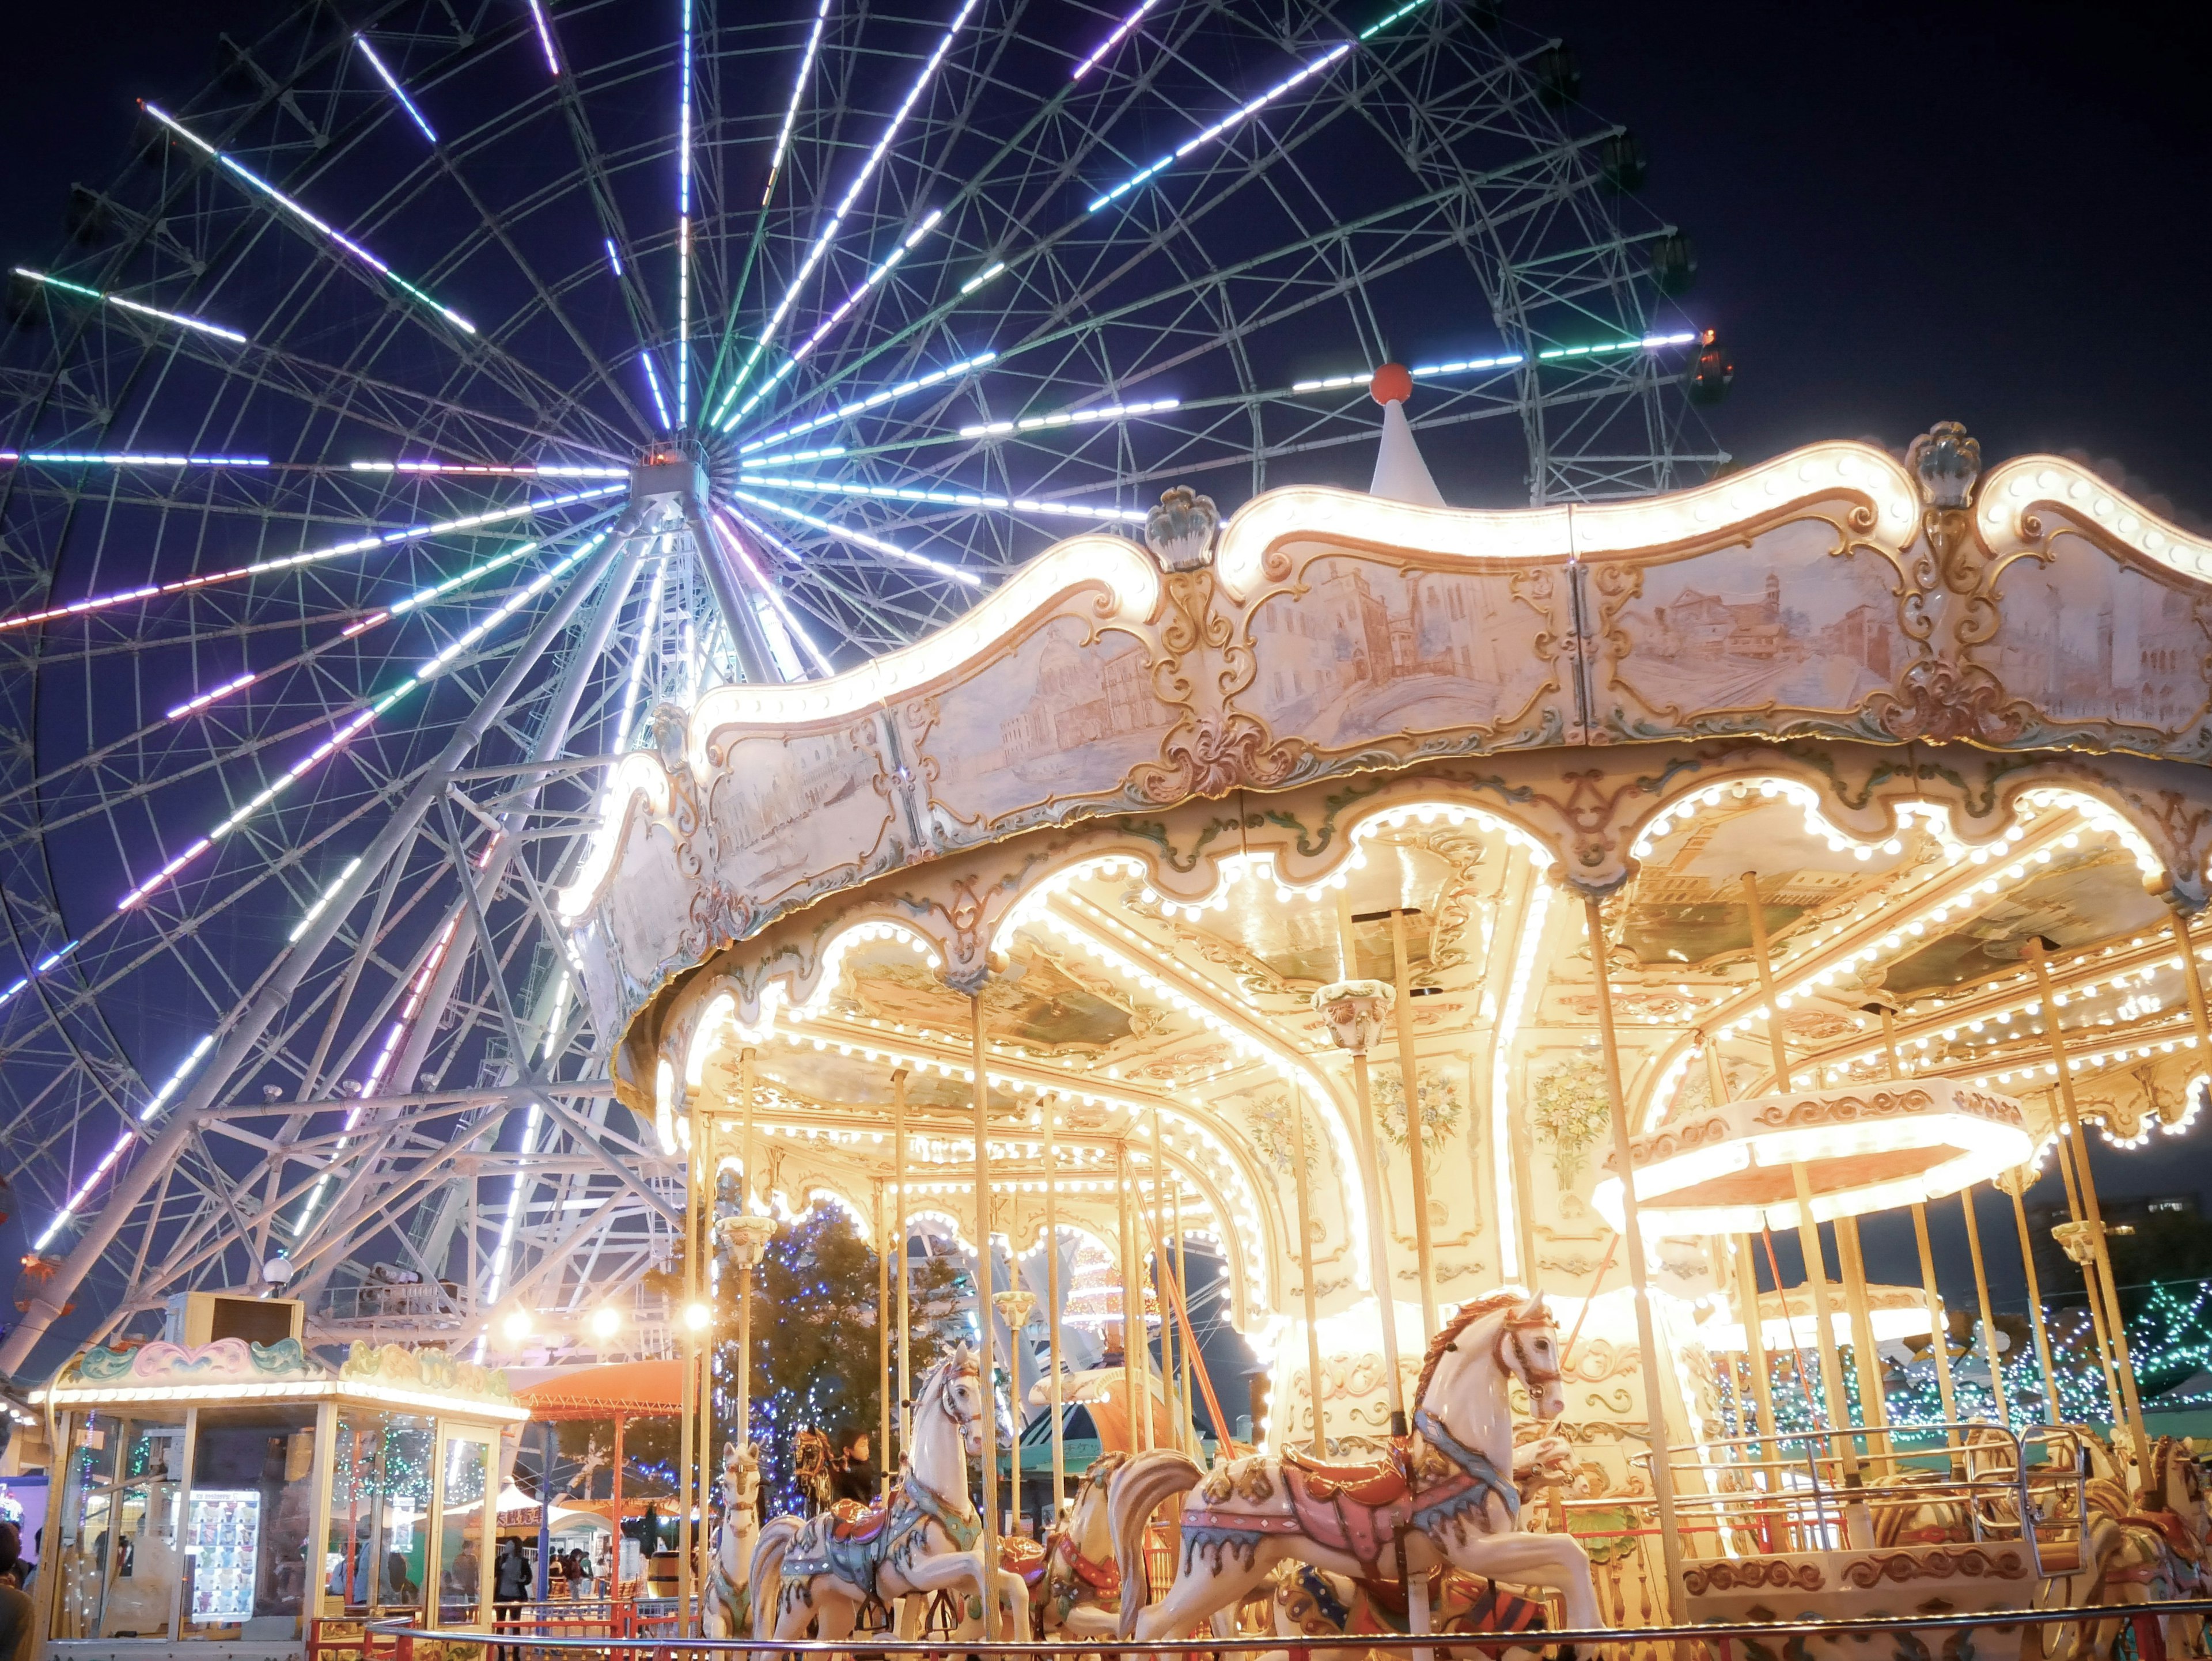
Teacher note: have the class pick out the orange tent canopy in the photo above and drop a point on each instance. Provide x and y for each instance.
(628, 1388)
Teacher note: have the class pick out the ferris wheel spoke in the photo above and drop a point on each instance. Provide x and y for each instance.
(135, 308)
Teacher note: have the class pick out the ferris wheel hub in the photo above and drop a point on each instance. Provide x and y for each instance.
(673, 480)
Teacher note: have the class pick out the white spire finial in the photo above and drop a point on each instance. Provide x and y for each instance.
(1400, 472)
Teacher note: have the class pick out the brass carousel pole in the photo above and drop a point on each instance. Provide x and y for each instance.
(1159, 1260)
(1185, 1379)
(1306, 1263)
(1647, 1336)
(899, 1214)
(1809, 1230)
(1754, 1323)
(1938, 1329)
(984, 1321)
(1050, 1108)
(1982, 1292)
(883, 1342)
(2034, 1294)
(1865, 1363)
(687, 1341)
(2193, 983)
(1133, 1304)
(1365, 1025)
(1408, 1078)
(752, 1237)
(2101, 1280)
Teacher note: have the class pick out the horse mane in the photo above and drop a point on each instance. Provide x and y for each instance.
(1466, 1315)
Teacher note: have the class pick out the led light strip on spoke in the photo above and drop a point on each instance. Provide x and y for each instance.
(518, 470)
(652, 385)
(54, 957)
(124, 459)
(732, 521)
(683, 227)
(873, 401)
(329, 232)
(820, 246)
(860, 291)
(201, 324)
(1243, 112)
(351, 728)
(861, 539)
(958, 499)
(393, 81)
(359, 545)
(798, 94)
(361, 626)
(159, 1100)
(1070, 418)
(1121, 30)
(791, 457)
(1648, 342)
(544, 36)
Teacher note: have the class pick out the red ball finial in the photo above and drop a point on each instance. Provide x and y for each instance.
(1393, 383)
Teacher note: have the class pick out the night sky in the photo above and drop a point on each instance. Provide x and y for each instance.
(1903, 214)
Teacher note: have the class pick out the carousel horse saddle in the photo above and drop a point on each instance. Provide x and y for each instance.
(851, 1522)
(1366, 1482)
(1026, 1557)
(1359, 1508)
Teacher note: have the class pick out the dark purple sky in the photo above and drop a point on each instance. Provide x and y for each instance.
(1982, 212)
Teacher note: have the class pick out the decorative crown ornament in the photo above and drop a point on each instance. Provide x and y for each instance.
(1946, 460)
(1015, 1308)
(1355, 1012)
(1180, 530)
(2078, 1240)
(747, 1236)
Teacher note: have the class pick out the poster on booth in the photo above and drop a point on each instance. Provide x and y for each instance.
(224, 1540)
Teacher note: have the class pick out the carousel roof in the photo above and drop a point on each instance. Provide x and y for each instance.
(644, 1388)
(1933, 733)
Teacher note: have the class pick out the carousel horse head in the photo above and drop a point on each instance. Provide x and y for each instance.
(956, 1385)
(2175, 1483)
(740, 1473)
(1518, 1336)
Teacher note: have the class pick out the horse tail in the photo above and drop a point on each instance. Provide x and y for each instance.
(1138, 1490)
(764, 1577)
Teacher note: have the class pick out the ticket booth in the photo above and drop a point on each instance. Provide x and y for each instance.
(244, 1496)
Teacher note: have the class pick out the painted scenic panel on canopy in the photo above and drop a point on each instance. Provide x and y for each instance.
(1002, 744)
(1365, 647)
(785, 809)
(2089, 639)
(1739, 636)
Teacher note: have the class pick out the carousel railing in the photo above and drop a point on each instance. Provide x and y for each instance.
(2031, 1628)
(1822, 1490)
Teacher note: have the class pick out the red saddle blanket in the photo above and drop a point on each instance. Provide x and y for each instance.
(1024, 1556)
(1356, 1509)
(851, 1520)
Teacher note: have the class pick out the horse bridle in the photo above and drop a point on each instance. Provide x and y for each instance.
(1528, 1371)
(944, 1396)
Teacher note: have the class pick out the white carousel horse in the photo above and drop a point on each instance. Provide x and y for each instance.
(726, 1576)
(820, 1571)
(1310, 1603)
(1443, 1498)
(1074, 1582)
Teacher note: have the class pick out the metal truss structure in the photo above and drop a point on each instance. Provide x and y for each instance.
(430, 400)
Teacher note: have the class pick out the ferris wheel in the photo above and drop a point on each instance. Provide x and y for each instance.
(432, 399)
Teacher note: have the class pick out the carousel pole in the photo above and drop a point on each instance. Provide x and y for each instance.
(686, 1465)
(1866, 1364)
(1132, 1298)
(1306, 1265)
(1808, 1229)
(1938, 1329)
(905, 1280)
(1363, 1027)
(1185, 1376)
(1647, 1336)
(2098, 1334)
(984, 1321)
(2101, 1280)
(1050, 1108)
(1408, 1072)
(1160, 1274)
(2034, 1296)
(883, 1343)
(1988, 1315)
(1754, 1323)
(749, 1245)
(2193, 983)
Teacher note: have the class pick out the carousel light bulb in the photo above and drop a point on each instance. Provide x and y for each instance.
(517, 1326)
(606, 1321)
(697, 1316)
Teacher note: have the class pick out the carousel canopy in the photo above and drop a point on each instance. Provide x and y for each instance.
(640, 1388)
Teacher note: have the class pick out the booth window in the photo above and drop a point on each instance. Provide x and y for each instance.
(247, 1521)
(381, 1475)
(116, 1547)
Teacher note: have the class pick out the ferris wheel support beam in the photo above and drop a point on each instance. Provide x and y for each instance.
(132, 1183)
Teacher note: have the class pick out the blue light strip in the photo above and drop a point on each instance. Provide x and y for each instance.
(861, 539)
(874, 400)
(143, 310)
(798, 94)
(955, 499)
(393, 81)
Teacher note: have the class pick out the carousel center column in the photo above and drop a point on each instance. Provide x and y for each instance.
(1354, 1011)
(747, 1236)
